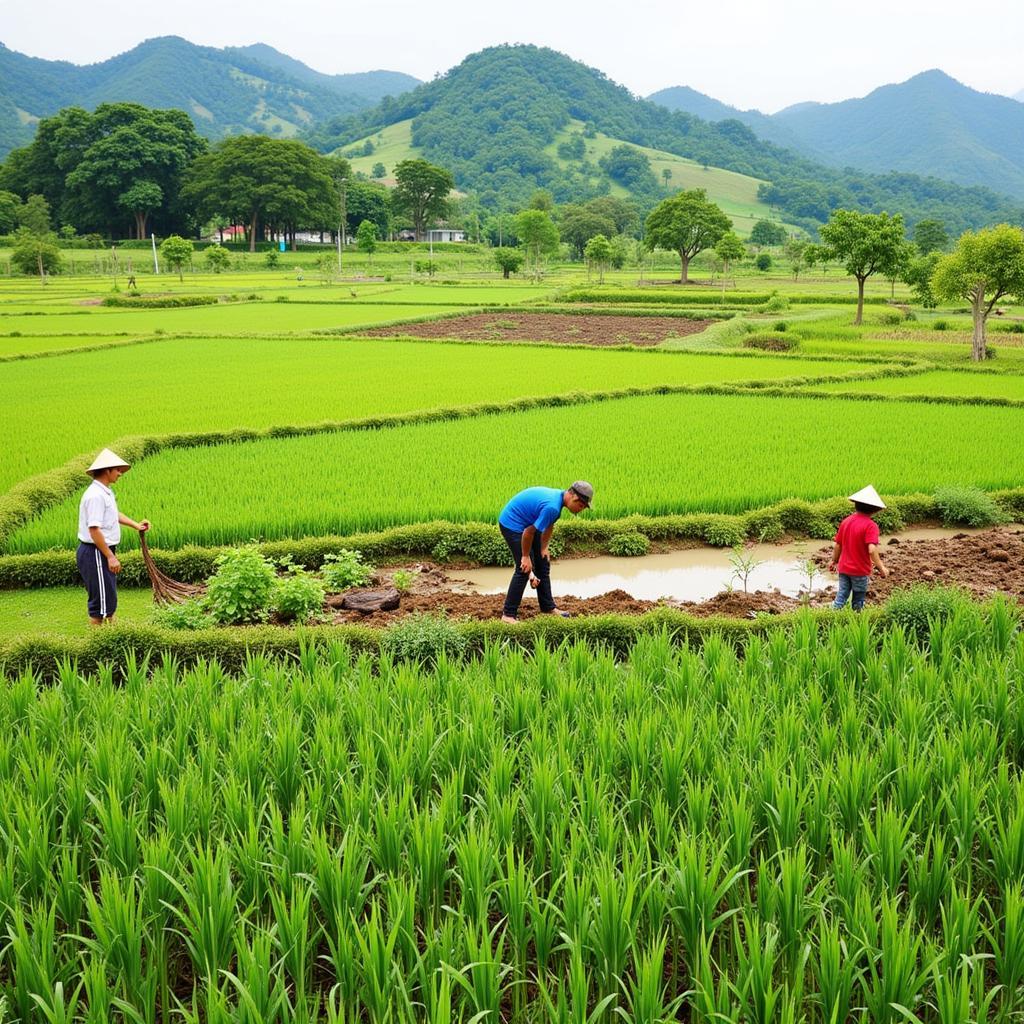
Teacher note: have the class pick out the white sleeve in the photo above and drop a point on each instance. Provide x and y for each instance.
(93, 506)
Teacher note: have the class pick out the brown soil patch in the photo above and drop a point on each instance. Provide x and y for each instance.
(982, 564)
(564, 328)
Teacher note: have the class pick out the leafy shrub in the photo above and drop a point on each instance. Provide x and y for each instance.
(423, 638)
(345, 569)
(940, 325)
(271, 258)
(297, 596)
(160, 301)
(217, 258)
(190, 614)
(629, 545)
(240, 589)
(763, 261)
(914, 609)
(724, 532)
(890, 319)
(476, 542)
(781, 326)
(402, 580)
(769, 342)
(30, 251)
(1011, 328)
(967, 506)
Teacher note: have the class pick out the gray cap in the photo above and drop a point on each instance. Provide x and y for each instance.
(584, 490)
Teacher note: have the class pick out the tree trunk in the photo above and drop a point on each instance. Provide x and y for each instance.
(684, 276)
(252, 232)
(978, 312)
(140, 223)
(860, 301)
(505, 273)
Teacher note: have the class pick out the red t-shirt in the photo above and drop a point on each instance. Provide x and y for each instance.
(854, 535)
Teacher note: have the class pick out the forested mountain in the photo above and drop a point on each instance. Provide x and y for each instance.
(494, 119)
(245, 89)
(930, 124)
(690, 101)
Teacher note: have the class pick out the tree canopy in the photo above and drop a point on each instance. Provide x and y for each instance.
(686, 224)
(421, 192)
(983, 268)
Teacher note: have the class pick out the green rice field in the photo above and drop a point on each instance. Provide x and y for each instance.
(826, 824)
(951, 383)
(680, 453)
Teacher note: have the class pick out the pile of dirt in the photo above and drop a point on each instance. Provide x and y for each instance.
(566, 328)
(981, 563)
(739, 605)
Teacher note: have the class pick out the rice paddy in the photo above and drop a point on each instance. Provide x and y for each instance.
(824, 825)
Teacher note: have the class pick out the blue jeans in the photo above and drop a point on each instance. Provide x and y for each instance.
(856, 585)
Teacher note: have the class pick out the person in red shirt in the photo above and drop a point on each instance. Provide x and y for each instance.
(855, 551)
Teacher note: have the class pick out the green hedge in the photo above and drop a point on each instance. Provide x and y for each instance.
(160, 302)
(481, 543)
(232, 646)
(700, 295)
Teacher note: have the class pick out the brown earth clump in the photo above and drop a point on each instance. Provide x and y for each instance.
(563, 328)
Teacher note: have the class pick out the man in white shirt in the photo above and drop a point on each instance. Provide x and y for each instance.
(99, 533)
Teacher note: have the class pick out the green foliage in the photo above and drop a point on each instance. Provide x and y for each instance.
(629, 545)
(271, 259)
(768, 232)
(917, 608)
(537, 234)
(297, 595)
(402, 580)
(241, 587)
(508, 260)
(191, 614)
(379, 170)
(33, 254)
(763, 262)
(769, 341)
(598, 253)
(918, 274)
(217, 258)
(177, 252)
(345, 569)
(967, 506)
(366, 237)
(930, 236)
(421, 192)
(686, 224)
(159, 301)
(424, 639)
(730, 248)
(34, 216)
(631, 168)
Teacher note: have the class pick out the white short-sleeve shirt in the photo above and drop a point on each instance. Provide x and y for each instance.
(98, 507)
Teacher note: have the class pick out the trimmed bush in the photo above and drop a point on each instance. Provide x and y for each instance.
(629, 545)
(968, 506)
(160, 301)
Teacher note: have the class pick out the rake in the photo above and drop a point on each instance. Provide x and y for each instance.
(166, 590)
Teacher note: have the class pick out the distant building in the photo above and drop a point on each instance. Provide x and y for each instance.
(446, 235)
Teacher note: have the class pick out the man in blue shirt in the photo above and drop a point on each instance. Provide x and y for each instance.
(527, 523)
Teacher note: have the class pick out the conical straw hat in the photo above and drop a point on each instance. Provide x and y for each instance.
(107, 460)
(868, 496)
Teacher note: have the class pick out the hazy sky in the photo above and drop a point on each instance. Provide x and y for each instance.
(749, 54)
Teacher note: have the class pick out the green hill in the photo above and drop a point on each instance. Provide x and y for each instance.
(928, 124)
(251, 88)
(500, 118)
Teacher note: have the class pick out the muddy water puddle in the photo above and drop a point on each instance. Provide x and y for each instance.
(689, 574)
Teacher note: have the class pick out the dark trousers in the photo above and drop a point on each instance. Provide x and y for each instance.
(541, 569)
(100, 582)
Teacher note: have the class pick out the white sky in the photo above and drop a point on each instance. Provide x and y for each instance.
(749, 53)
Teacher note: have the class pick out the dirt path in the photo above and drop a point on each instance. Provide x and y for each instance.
(982, 563)
(567, 328)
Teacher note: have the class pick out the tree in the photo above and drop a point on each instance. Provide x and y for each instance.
(542, 199)
(421, 192)
(216, 257)
(537, 234)
(795, 250)
(509, 260)
(176, 251)
(984, 267)
(763, 262)
(866, 244)
(598, 253)
(9, 207)
(36, 254)
(623, 213)
(34, 216)
(918, 274)
(930, 236)
(366, 239)
(621, 247)
(729, 248)
(379, 170)
(578, 224)
(666, 175)
(259, 181)
(766, 232)
(140, 200)
(687, 224)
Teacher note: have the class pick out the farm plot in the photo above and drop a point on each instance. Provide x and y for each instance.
(828, 817)
(566, 328)
(666, 454)
(951, 383)
(48, 406)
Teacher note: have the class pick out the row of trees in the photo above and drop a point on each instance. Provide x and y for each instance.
(127, 170)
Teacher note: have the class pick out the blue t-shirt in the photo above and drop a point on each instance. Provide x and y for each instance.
(538, 507)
